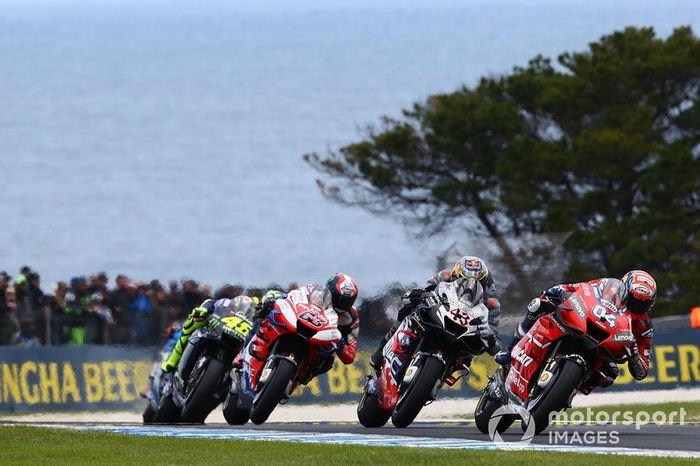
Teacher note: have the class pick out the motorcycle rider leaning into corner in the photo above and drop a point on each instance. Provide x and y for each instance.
(340, 291)
(466, 267)
(243, 305)
(637, 294)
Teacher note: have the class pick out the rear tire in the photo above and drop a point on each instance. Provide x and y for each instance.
(273, 391)
(168, 412)
(556, 397)
(418, 392)
(369, 413)
(203, 401)
(233, 414)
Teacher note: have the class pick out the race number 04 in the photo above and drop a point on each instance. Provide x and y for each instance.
(603, 314)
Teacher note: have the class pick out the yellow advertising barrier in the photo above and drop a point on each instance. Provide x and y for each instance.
(46, 379)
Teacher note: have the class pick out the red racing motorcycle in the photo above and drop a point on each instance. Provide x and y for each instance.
(298, 337)
(561, 353)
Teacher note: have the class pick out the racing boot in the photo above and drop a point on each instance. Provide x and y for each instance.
(503, 356)
(536, 309)
(375, 361)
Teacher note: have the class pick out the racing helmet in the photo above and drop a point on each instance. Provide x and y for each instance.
(272, 295)
(471, 266)
(640, 287)
(343, 291)
(244, 305)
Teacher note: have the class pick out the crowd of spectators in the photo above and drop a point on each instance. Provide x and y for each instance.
(86, 310)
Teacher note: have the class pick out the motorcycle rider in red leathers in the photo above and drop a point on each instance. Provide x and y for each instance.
(340, 292)
(637, 294)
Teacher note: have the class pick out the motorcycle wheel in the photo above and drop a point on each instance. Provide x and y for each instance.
(203, 401)
(149, 413)
(233, 414)
(556, 394)
(485, 409)
(369, 413)
(167, 412)
(272, 392)
(418, 392)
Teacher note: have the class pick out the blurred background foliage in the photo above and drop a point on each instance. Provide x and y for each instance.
(565, 170)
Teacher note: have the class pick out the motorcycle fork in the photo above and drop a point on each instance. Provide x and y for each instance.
(428, 348)
(546, 372)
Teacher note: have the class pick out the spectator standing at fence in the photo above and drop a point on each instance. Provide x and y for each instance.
(160, 315)
(29, 317)
(98, 283)
(9, 324)
(174, 302)
(77, 311)
(57, 306)
(121, 332)
(189, 297)
(140, 311)
(5, 280)
(228, 291)
(205, 292)
(39, 304)
(101, 314)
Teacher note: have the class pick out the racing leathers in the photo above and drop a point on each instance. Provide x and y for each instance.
(550, 299)
(196, 319)
(413, 298)
(348, 325)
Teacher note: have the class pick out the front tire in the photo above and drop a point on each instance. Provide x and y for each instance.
(203, 401)
(149, 413)
(273, 391)
(557, 394)
(418, 393)
(484, 411)
(369, 413)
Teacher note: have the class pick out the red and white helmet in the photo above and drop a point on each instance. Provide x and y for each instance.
(640, 288)
(343, 291)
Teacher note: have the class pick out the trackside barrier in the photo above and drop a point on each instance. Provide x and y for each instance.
(107, 378)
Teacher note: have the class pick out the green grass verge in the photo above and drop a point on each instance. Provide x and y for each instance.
(34, 445)
(692, 409)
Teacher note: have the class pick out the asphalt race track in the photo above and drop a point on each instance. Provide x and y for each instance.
(647, 437)
(648, 440)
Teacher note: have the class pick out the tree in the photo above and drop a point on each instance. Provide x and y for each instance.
(604, 147)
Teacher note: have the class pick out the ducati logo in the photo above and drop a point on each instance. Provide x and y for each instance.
(521, 356)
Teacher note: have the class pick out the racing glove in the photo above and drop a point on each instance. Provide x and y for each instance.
(266, 306)
(347, 350)
(198, 314)
(637, 364)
